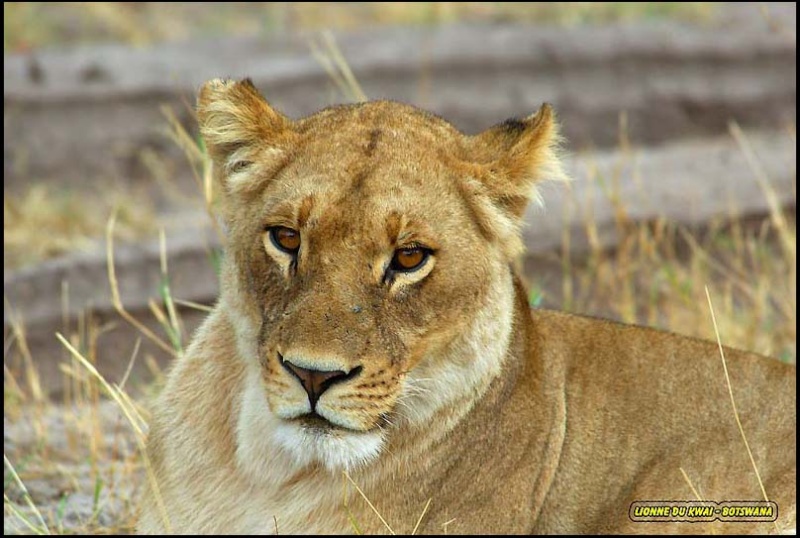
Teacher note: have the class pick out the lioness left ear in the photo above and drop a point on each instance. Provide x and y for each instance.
(240, 130)
(515, 155)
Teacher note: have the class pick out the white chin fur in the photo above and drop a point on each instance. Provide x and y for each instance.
(337, 450)
(259, 432)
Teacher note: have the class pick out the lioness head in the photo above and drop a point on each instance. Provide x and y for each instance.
(370, 249)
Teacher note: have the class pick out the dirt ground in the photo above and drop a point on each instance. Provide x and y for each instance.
(80, 465)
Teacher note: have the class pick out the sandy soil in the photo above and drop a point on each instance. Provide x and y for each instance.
(80, 465)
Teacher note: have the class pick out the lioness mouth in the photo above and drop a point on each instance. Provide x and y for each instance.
(319, 424)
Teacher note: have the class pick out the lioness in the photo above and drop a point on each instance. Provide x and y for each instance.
(373, 365)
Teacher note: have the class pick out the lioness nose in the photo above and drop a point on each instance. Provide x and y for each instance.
(315, 382)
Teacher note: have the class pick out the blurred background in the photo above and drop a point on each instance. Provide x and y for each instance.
(680, 131)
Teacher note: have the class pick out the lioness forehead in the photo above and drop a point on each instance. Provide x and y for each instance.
(384, 122)
(379, 160)
(377, 145)
(373, 202)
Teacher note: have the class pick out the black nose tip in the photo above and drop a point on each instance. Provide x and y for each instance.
(315, 382)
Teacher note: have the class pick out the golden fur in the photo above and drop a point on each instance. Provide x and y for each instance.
(506, 420)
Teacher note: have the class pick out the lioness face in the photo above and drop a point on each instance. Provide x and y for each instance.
(364, 285)
(353, 226)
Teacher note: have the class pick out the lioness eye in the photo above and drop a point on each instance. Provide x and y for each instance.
(409, 259)
(285, 239)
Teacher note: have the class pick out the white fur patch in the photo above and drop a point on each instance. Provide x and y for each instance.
(336, 449)
(248, 177)
(467, 367)
(293, 404)
(312, 361)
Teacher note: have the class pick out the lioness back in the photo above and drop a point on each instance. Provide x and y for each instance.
(372, 364)
(650, 418)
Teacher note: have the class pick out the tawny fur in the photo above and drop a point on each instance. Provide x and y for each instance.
(502, 419)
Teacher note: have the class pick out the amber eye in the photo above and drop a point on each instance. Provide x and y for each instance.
(285, 239)
(409, 259)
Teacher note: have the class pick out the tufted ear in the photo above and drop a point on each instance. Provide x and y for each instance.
(508, 161)
(516, 155)
(241, 131)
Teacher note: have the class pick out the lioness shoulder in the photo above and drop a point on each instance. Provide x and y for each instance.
(372, 364)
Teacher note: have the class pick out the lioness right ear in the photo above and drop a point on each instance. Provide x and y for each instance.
(518, 154)
(510, 159)
(240, 130)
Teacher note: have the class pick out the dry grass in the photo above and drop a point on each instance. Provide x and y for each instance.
(658, 272)
(85, 454)
(29, 25)
(657, 275)
(78, 457)
(42, 223)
